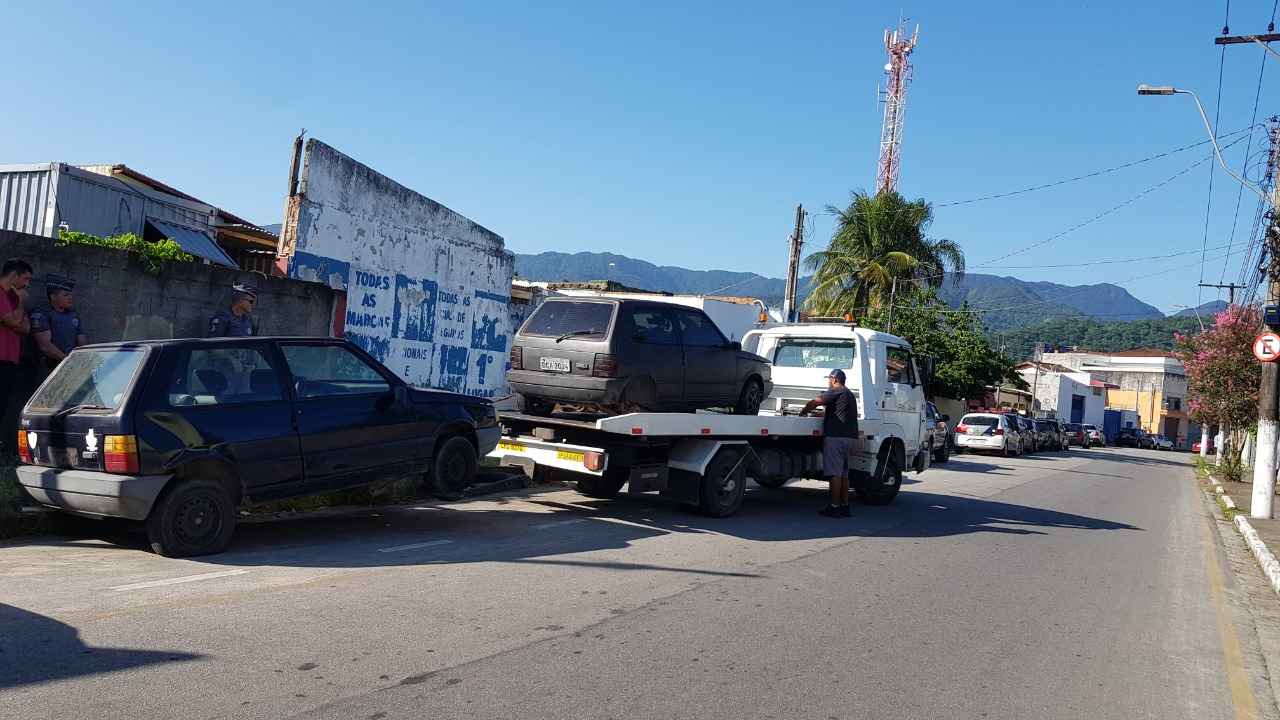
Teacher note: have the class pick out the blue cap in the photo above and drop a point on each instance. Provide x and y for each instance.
(838, 375)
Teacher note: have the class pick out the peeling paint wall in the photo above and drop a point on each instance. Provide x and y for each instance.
(427, 289)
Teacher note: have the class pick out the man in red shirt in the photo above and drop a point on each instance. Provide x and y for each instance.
(15, 275)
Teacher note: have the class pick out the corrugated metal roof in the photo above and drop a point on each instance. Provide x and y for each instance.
(26, 198)
(193, 241)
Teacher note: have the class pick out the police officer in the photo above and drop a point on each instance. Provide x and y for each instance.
(235, 322)
(56, 327)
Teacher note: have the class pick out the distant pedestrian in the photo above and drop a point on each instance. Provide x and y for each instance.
(236, 321)
(56, 326)
(15, 275)
(839, 440)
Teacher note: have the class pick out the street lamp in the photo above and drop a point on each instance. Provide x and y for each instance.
(1145, 89)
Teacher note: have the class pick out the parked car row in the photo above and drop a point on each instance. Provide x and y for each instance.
(1012, 434)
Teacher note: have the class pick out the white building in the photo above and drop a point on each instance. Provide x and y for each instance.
(1064, 393)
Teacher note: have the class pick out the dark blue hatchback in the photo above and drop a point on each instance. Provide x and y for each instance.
(178, 433)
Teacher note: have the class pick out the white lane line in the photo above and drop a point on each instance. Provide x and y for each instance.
(415, 546)
(560, 523)
(178, 580)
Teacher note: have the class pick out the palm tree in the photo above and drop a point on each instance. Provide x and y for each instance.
(878, 239)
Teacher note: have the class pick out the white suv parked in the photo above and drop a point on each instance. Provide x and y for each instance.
(988, 432)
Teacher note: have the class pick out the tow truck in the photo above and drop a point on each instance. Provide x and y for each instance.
(704, 459)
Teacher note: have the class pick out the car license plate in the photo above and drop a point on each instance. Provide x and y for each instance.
(512, 446)
(554, 364)
(570, 455)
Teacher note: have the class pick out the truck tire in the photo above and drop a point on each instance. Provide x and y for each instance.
(882, 490)
(533, 405)
(605, 486)
(193, 517)
(750, 399)
(724, 483)
(453, 469)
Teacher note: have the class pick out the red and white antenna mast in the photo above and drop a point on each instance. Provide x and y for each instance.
(898, 70)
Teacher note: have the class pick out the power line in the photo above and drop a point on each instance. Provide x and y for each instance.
(1095, 173)
(1248, 148)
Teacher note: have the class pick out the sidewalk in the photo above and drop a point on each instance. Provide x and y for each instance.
(1268, 530)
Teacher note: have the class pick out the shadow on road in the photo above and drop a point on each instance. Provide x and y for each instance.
(551, 529)
(36, 649)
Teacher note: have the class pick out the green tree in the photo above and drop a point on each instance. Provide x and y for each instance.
(878, 239)
(964, 360)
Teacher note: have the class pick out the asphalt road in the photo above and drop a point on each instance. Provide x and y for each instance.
(1085, 584)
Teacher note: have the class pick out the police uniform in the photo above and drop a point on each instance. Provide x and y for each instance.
(63, 326)
(225, 323)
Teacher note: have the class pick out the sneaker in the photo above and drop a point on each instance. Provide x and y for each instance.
(845, 511)
(830, 511)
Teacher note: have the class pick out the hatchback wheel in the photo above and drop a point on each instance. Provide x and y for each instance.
(194, 517)
(454, 468)
(750, 399)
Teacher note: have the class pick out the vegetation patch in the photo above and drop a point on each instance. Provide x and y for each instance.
(153, 254)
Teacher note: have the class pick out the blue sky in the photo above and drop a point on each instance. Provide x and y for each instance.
(682, 134)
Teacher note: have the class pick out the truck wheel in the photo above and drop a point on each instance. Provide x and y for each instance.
(942, 454)
(749, 399)
(724, 484)
(882, 491)
(605, 486)
(453, 469)
(194, 517)
(533, 405)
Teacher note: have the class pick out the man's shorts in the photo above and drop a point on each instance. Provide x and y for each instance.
(837, 456)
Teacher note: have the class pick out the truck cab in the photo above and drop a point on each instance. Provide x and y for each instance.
(881, 371)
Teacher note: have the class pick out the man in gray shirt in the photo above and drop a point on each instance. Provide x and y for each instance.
(840, 440)
(56, 327)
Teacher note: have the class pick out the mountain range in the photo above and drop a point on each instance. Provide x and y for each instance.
(1015, 303)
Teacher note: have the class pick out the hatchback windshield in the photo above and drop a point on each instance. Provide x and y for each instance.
(574, 319)
(983, 420)
(811, 353)
(92, 378)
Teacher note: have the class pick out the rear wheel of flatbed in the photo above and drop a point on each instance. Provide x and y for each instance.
(724, 483)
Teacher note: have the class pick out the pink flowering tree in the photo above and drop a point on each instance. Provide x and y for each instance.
(1222, 374)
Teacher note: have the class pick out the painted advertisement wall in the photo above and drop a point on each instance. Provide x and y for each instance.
(427, 289)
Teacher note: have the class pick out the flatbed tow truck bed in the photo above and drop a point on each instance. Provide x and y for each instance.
(701, 459)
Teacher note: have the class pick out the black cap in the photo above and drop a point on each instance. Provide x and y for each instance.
(59, 282)
(838, 375)
(246, 289)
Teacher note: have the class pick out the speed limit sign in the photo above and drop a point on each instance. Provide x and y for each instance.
(1267, 347)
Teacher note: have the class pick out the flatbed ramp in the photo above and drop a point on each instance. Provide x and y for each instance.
(703, 459)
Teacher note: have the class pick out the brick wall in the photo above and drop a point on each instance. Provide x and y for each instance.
(119, 299)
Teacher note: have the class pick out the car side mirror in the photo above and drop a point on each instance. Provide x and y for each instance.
(735, 345)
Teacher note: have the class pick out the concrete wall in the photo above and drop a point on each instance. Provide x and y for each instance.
(119, 300)
(427, 289)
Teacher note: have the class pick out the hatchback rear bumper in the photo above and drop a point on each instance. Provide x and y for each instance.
(566, 388)
(87, 492)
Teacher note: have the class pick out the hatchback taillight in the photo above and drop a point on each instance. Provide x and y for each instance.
(24, 450)
(962, 429)
(517, 357)
(605, 366)
(120, 454)
(999, 431)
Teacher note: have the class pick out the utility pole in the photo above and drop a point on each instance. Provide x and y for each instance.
(793, 268)
(1264, 466)
(893, 293)
(1229, 287)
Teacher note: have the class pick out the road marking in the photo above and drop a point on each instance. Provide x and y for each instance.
(178, 580)
(415, 546)
(560, 523)
(1237, 681)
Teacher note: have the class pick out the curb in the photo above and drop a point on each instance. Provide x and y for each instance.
(1266, 560)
